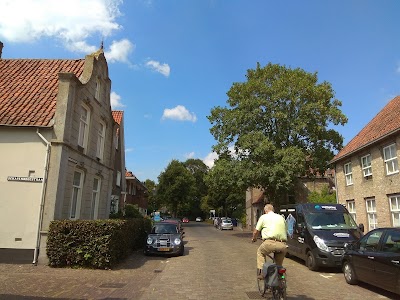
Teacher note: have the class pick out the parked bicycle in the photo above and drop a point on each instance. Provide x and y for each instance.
(274, 280)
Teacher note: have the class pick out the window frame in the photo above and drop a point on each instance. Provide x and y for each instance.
(395, 211)
(97, 94)
(392, 160)
(367, 169)
(76, 195)
(83, 133)
(351, 207)
(94, 213)
(118, 179)
(371, 213)
(101, 137)
(348, 175)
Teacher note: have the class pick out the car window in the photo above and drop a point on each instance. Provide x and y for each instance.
(391, 242)
(370, 242)
(162, 229)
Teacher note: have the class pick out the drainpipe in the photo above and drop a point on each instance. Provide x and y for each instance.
(336, 187)
(43, 194)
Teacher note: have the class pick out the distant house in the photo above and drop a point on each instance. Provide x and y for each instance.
(136, 193)
(367, 170)
(119, 182)
(256, 199)
(57, 140)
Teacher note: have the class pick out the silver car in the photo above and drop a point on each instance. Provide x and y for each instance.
(226, 224)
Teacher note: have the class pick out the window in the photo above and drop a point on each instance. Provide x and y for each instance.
(366, 165)
(77, 185)
(95, 198)
(118, 182)
(370, 242)
(351, 207)
(391, 242)
(98, 89)
(371, 213)
(101, 135)
(390, 158)
(83, 126)
(394, 202)
(348, 174)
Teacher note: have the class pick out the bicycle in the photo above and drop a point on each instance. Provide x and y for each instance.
(274, 280)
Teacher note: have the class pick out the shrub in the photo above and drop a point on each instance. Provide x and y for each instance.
(99, 244)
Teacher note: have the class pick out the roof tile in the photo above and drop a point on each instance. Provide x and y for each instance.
(387, 121)
(29, 87)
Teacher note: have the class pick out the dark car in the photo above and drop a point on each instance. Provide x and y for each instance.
(164, 238)
(374, 259)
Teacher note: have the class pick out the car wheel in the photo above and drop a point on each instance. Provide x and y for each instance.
(311, 262)
(349, 274)
(182, 251)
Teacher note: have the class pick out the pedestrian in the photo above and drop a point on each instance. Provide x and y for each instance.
(273, 233)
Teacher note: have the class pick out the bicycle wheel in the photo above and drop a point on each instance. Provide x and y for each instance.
(279, 293)
(262, 286)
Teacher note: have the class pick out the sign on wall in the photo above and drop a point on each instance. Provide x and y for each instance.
(25, 179)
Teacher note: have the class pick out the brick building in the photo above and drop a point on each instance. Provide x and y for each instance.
(367, 170)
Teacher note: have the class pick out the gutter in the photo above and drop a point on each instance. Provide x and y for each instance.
(43, 194)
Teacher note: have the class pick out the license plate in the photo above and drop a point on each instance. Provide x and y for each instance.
(163, 249)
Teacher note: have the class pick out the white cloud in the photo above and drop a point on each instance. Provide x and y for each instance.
(115, 100)
(179, 113)
(71, 22)
(210, 158)
(128, 150)
(189, 155)
(164, 69)
(119, 51)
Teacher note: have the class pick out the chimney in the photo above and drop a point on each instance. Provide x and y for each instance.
(1, 48)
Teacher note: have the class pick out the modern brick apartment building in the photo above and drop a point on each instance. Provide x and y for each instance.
(367, 171)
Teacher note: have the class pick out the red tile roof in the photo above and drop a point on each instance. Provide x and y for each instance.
(117, 115)
(29, 87)
(129, 174)
(386, 122)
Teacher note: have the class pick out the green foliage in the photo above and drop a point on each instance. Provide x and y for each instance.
(176, 187)
(277, 126)
(117, 215)
(322, 197)
(226, 192)
(99, 244)
(153, 203)
(132, 212)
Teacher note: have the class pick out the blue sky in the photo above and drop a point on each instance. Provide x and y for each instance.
(172, 61)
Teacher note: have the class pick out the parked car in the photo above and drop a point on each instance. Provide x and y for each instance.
(164, 238)
(226, 224)
(317, 232)
(185, 220)
(374, 259)
(199, 219)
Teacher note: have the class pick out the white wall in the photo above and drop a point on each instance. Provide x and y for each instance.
(21, 151)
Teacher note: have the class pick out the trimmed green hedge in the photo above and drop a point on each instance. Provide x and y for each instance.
(98, 244)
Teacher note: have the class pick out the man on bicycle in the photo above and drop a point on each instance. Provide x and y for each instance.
(273, 233)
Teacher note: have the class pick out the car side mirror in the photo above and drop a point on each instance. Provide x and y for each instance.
(361, 227)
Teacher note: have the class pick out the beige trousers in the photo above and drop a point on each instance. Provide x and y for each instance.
(269, 246)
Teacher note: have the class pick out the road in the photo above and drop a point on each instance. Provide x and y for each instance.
(216, 265)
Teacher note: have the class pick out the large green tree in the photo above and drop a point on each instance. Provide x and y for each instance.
(176, 187)
(198, 169)
(278, 125)
(153, 203)
(225, 193)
